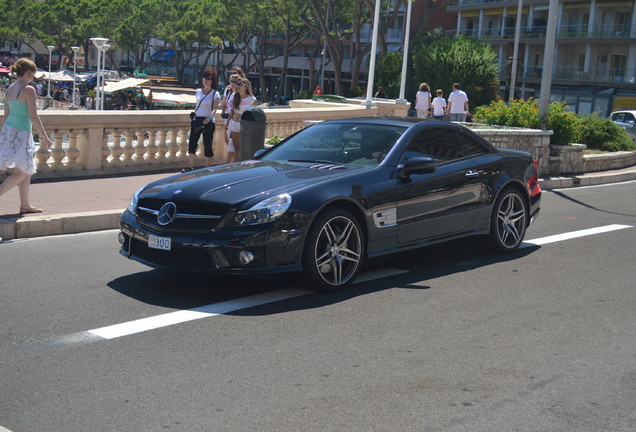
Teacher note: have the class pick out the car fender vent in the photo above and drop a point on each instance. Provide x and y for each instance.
(327, 166)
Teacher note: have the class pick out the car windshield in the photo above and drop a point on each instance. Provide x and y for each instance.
(338, 143)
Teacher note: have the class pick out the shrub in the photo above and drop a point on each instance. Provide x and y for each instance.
(566, 125)
(602, 134)
(525, 113)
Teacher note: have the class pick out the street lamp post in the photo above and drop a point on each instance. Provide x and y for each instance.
(374, 44)
(99, 43)
(101, 98)
(50, 48)
(75, 50)
(405, 54)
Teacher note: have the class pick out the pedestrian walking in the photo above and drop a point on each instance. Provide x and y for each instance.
(17, 147)
(457, 104)
(439, 105)
(423, 100)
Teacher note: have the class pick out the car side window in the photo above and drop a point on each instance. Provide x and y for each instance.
(629, 117)
(470, 146)
(440, 143)
(444, 144)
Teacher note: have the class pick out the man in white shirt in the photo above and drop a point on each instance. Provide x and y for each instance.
(457, 104)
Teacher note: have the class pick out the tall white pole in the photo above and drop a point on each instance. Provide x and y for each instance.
(515, 54)
(374, 44)
(75, 50)
(101, 99)
(405, 54)
(99, 43)
(50, 48)
(548, 59)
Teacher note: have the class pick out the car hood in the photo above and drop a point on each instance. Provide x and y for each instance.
(239, 182)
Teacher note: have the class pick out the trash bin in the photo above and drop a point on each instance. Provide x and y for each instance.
(252, 137)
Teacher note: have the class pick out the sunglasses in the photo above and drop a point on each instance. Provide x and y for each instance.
(240, 84)
(233, 82)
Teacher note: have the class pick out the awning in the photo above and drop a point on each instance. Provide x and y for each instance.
(163, 55)
(167, 98)
(112, 87)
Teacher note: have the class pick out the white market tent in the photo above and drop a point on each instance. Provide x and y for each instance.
(127, 83)
(168, 98)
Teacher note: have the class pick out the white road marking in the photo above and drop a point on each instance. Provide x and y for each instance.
(572, 235)
(4, 429)
(177, 317)
(172, 318)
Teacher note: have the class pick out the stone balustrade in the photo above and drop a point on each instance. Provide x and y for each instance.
(92, 143)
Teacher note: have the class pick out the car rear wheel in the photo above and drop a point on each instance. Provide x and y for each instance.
(334, 251)
(509, 221)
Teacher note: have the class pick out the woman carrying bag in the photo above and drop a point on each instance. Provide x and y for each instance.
(202, 120)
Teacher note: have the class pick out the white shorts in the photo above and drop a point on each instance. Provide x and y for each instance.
(235, 126)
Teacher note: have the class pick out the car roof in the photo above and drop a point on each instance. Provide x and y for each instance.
(624, 111)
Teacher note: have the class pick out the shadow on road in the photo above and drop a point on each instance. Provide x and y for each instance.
(187, 291)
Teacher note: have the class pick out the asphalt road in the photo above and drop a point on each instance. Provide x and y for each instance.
(455, 338)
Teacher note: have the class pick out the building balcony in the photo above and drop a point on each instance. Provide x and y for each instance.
(578, 74)
(598, 31)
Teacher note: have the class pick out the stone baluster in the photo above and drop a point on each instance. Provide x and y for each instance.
(140, 148)
(72, 153)
(162, 148)
(57, 153)
(151, 150)
(183, 144)
(115, 151)
(42, 156)
(128, 148)
(173, 147)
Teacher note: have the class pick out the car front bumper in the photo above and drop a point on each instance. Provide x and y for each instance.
(257, 250)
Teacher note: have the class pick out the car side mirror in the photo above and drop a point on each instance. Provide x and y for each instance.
(417, 165)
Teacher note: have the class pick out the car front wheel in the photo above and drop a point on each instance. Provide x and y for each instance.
(509, 221)
(334, 251)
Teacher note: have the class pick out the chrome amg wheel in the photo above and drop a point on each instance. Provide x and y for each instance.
(334, 251)
(509, 221)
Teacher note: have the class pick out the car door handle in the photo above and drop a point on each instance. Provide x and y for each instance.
(472, 173)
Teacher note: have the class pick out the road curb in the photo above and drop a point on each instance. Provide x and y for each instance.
(66, 223)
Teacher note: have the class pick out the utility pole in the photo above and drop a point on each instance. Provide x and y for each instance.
(548, 59)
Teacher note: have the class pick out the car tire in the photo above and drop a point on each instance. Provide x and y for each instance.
(334, 251)
(509, 221)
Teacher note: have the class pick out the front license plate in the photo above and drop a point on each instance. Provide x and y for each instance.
(163, 243)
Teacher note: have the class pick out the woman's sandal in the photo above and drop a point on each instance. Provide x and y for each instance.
(186, 169)
(26, 210)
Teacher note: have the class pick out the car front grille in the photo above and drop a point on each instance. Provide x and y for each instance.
(190, 217)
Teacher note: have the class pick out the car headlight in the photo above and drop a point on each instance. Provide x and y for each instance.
(265, 211)
(132, 205)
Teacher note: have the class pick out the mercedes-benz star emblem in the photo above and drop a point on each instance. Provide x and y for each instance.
(166, 214)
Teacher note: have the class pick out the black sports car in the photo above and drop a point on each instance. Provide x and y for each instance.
(331, 196)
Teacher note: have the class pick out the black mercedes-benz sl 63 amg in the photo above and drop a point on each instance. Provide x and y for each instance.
(332, 196)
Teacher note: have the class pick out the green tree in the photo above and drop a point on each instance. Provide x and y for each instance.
(461, 59)
(389, 73)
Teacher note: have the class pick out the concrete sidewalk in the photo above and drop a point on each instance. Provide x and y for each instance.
(74, 206)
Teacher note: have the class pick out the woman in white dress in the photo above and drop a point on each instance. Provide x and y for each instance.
(423, 100)
(17, 148)
(242, 99)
